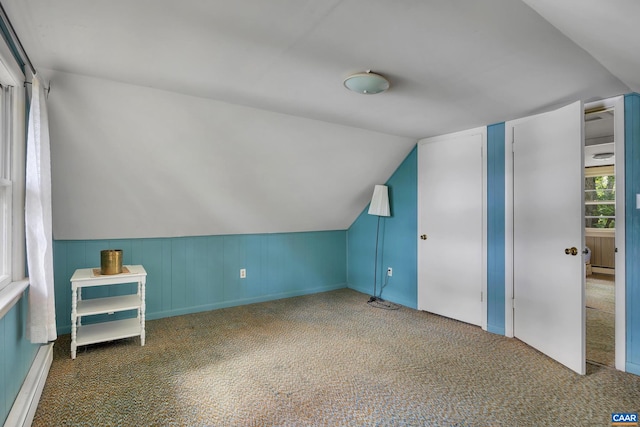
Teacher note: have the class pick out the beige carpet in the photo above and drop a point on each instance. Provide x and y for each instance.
(327, 360)
(600, 296)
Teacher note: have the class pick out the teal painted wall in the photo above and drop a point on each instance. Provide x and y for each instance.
(632, 223)
(192, 274)
(16, 355)
(495, 229)
(398, 245)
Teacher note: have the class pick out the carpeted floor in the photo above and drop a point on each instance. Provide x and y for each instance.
(600, 293)
(600, 297)
(328, 360)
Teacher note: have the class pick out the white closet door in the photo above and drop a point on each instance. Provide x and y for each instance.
(450, 217)
(548, 212)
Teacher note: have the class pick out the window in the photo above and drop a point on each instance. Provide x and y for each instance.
(600, 197)
(6, 185)
(12, 168)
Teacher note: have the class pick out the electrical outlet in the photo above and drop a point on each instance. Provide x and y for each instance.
(389, 271)
(243, 273)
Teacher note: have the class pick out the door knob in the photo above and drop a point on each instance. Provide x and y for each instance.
(423, 236)
(571, 251)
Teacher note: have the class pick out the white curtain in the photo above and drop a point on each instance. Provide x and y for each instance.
(41, 326)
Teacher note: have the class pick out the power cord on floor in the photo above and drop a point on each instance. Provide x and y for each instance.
(378, 302)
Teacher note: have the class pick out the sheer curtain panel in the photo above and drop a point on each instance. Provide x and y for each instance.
(42, 320)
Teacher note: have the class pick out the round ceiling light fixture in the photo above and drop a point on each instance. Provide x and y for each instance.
(366, 83)
(602, 156)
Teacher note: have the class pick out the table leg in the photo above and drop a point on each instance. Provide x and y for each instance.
(142, 310)
(74, 308)
(79, 299)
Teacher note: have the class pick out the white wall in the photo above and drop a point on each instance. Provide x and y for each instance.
(131, 161)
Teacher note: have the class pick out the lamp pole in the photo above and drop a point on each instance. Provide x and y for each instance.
(375, 265)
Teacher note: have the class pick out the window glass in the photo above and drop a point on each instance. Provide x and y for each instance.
(5, 187)
(600, 201)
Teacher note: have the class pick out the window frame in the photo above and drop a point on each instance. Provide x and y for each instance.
(592, 172)
(12, 169)
(6, 186)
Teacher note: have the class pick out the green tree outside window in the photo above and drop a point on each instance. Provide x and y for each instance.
(600, 196)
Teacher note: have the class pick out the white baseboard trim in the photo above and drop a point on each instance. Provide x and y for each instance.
(24, 407)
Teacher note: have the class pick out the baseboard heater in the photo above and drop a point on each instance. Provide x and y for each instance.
(24, 407)
(604, 270)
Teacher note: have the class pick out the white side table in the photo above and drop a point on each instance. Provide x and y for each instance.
(110, 330)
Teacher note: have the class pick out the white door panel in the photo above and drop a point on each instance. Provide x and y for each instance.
(548, 204)
(450, 200)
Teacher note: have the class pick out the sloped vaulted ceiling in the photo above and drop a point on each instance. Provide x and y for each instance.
(295, 143)
(453, 64)
(608, 30)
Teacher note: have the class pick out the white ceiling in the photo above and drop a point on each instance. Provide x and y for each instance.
(257, 70)
(608, 30)
(453, 64)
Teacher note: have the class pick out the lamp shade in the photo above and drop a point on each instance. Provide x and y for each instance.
(380, 201)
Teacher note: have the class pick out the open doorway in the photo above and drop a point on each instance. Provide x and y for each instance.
(600, 234)
(549, 303)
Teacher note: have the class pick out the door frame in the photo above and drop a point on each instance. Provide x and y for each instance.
(620, 325)
(617, 103)
(470, 132)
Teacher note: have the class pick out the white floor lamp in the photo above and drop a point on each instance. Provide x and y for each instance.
(380, 207)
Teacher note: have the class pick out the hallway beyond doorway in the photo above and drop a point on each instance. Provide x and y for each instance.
(600, 297)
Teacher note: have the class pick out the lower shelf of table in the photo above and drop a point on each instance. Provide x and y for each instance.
(108, 331)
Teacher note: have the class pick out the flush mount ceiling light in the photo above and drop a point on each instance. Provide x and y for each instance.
(602, 156)
(367, 83)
